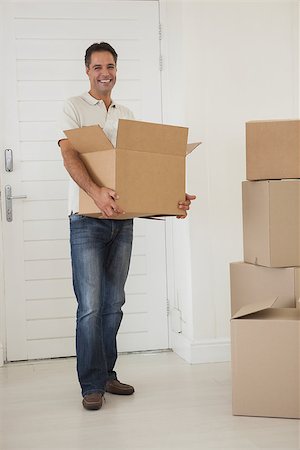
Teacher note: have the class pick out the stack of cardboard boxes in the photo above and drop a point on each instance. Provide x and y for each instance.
(265, 288)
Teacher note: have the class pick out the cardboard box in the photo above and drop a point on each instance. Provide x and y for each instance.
(265, 361)
(271, 222)
(250, 283)
(146, 169)
(273, 149)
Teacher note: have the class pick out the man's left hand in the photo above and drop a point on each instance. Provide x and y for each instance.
(185, 205)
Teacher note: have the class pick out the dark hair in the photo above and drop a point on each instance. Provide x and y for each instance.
(102, 47)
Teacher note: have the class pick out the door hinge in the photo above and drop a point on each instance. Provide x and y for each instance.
(168, 306)
(160, 63)
(160, 32)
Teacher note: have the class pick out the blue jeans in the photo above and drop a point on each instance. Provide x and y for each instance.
(100, 251)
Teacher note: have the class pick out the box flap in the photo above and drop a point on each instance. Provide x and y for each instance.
(151, 137)
(191, 147)
(254, 307)
(88, 139)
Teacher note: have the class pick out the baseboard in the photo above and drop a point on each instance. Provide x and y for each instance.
(181, 345)
(211, 350)
(205, 351)
(1, 355)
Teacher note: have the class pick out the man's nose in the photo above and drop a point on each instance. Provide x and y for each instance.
(104, 71)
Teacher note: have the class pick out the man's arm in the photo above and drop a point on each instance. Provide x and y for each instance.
(102, 196)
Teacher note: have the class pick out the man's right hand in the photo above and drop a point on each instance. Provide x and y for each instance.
(105, 200)
(102, 196)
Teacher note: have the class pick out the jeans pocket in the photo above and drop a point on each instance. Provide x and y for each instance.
(76, 217)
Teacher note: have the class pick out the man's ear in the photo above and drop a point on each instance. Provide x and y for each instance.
(87, 69)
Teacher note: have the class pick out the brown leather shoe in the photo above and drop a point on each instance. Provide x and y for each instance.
(93, 401)
(116, 387)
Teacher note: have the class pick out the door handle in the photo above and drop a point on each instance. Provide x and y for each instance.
(9, 162)
(8, 202)
(15, 197)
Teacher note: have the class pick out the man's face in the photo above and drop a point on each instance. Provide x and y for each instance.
(102, 73)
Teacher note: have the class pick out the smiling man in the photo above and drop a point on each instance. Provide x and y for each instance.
(101, 70)
(100, 248)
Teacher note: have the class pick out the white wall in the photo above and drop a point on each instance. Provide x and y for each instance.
(226, 63)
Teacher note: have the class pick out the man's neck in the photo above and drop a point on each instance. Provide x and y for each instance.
(106, 99)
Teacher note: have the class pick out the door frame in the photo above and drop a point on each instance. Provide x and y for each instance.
(173, 114)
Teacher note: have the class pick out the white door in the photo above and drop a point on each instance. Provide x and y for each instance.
(43, 64)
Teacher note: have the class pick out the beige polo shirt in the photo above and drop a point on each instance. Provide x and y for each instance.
(86, 110)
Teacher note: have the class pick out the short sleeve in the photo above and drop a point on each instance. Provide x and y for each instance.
(69, 119)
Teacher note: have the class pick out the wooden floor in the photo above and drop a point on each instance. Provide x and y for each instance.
(176, 406)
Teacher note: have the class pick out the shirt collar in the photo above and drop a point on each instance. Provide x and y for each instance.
(93, 101)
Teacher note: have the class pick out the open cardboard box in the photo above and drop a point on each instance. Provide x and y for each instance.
(271, 222)
(249, 283)
(146, 169)
(273, 149)
(265, 345)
